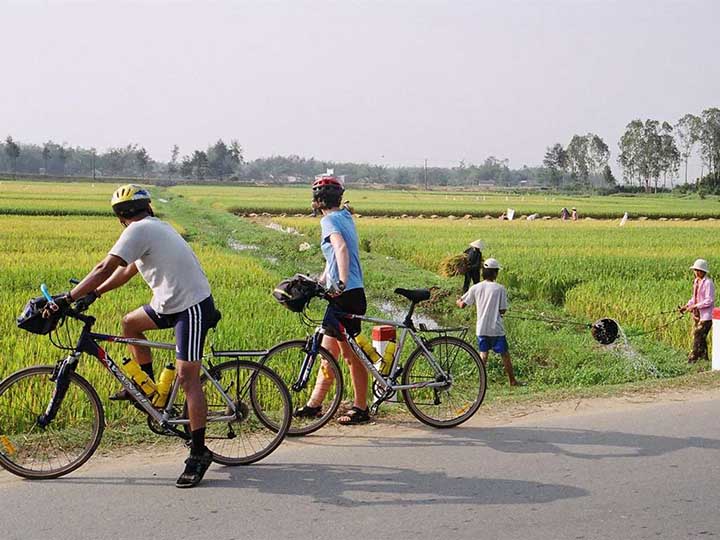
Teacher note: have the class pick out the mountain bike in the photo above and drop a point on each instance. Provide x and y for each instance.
(442, 381)
(52, 420)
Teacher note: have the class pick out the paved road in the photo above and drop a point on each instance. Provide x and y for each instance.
(648, 471)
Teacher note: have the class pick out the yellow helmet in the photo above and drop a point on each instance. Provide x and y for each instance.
(130, 200)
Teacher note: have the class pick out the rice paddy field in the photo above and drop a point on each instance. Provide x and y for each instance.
(47, 198)
(592, 269)
(247, 199)
(573, 270)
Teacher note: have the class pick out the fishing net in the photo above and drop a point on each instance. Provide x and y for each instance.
(605, 331)
(454, 265)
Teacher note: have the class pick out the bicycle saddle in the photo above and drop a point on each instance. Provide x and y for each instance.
(215, 319)
(414, 295)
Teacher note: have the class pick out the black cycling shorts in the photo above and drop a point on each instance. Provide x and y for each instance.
(191, 327)
(352, 301)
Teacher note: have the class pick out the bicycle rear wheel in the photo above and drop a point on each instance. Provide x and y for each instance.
(258, 394)
(286, 360)
(454, 403)
(68, 441)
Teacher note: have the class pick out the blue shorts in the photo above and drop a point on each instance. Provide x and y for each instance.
(497, 344)
(191, 327)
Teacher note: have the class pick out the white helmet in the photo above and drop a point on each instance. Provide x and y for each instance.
(479, 244)
(700, 264)
(492, 264)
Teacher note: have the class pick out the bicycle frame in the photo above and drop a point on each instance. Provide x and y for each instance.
(88, 343)
(386, 382)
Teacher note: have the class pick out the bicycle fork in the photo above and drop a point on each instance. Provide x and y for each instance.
(312, 345)
(61, 378)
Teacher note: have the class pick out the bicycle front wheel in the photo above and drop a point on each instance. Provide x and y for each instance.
(286, 360)
(456, 401)
(258, 394)
(29, 450)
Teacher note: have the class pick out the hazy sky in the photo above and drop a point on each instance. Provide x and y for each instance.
(388, 81)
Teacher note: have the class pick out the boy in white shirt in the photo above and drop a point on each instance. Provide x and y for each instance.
(490, 299)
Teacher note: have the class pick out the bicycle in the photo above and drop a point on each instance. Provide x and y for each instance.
(52, 420)
(442, 382)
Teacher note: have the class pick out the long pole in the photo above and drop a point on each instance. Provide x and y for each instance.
(426, 179)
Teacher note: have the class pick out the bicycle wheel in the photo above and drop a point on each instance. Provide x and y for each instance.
(286, 360)
(248, 438)
(454, 403)
(32, 451)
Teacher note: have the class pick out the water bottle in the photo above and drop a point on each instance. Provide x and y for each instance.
(385, 363)
(164, 385)
(140, 378)
(367, 347)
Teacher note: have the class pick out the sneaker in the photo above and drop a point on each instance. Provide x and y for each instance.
(195, 468)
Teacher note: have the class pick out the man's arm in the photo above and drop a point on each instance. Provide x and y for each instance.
(120, 277)
(98, 276)
(342, 256)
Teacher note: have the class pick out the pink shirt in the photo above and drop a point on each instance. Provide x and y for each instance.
(703, 298)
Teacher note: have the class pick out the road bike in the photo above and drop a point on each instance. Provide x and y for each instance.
(52, 420)
(442, 381)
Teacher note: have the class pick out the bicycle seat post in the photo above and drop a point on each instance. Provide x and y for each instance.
(408, 318)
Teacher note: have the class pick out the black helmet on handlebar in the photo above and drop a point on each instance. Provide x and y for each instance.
(296, 292)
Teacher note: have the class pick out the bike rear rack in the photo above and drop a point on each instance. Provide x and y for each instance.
(457, 331)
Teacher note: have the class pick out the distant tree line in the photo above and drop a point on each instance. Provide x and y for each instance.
(652, 154)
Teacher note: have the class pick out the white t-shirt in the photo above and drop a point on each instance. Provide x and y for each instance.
(489, 298)
(166, 262)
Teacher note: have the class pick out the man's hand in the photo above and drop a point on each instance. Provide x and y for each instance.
(459, 302)
(60, 304)
(86, 301)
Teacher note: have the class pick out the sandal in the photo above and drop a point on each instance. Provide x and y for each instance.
(306, 411)
(195, 468)
(354, 416)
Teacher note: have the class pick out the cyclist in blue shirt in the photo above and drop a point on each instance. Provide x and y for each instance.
(343, 276)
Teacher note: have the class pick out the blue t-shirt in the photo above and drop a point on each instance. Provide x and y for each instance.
(341, 222)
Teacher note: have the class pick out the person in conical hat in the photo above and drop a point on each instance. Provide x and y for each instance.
(475, 259)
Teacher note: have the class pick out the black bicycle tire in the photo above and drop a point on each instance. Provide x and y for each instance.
(98, 430)
(280, 431)
(330, 411)
(410, 402)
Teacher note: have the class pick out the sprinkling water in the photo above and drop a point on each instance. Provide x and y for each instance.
(641, 365)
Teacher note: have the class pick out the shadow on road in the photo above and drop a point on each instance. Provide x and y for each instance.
(353, 485)
(578, 443)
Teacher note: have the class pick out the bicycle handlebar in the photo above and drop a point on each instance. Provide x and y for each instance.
(46, 293)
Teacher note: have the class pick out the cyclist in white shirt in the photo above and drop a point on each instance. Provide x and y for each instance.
(181, 299)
